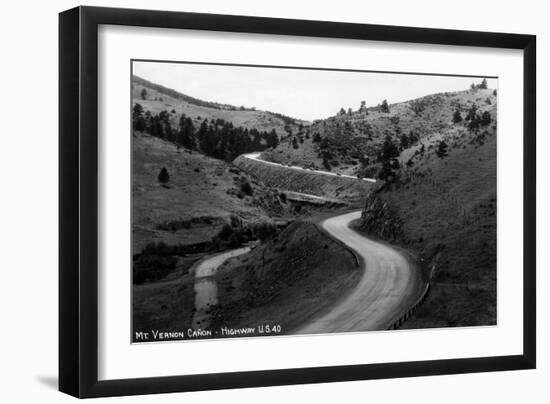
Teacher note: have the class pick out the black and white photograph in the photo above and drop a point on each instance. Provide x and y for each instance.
(276, 201)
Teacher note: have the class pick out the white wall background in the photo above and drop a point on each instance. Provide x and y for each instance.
(28, 207)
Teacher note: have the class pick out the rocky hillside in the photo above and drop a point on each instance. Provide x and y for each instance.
(351, 141)
(441, 205)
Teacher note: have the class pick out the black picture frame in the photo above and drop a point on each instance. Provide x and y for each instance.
(78, 201)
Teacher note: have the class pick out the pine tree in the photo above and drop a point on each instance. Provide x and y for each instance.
(185, 135)
(457, 118)
(485, 118)
(384, 107)
(483, 84)
(138, 121)
(143, 94)
(472, 112)
(404, 140)
(388, 157)
(441, 150)
(163, 177)
(326, 163)
(272, 139)
(389, 150)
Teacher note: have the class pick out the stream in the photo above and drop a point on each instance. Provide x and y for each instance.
(206, 285)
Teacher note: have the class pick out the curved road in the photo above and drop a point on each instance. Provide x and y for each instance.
(390, 284)
(256, 157)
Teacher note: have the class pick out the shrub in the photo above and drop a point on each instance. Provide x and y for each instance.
(485, 119)
(326, 164)
(441, 150)
(150, 268)
(246, 188)
(264, 230)
(225, 232)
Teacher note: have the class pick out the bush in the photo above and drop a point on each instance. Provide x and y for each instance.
(226, 232)
(457, 117)
(246, 188)
(150, 268)
(441, 149)
(264, 230)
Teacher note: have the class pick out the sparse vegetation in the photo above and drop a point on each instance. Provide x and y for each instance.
(444, 211)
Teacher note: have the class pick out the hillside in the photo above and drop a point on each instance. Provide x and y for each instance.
(350, 142)
(200, 197)
(441, 206)
(158, 98)
(293, 277)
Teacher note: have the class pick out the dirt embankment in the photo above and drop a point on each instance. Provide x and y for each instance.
(306, 182)
(297, 275)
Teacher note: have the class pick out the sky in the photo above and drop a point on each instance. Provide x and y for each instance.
(303, 94)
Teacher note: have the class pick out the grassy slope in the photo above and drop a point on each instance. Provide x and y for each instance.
(445, 212)
(362, 134)
(299, 274)
(157, 101)
(201, 187)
